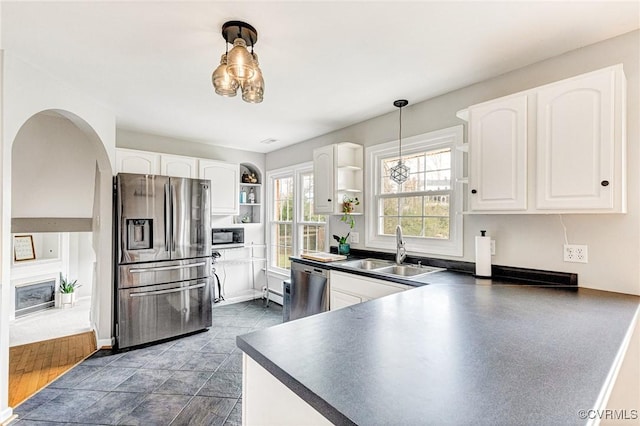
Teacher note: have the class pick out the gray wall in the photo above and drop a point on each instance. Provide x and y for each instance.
(167, 145)
(53, 173)
(531, 241)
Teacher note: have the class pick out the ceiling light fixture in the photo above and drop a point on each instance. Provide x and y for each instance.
(238, 67)
(400, 172)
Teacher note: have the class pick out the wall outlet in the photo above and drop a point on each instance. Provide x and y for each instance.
(354, 237)
(493, 247)
(576, 253)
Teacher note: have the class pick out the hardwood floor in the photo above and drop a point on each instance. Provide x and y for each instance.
(33, 366)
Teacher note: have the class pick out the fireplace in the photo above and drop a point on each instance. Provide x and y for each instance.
(33, 297)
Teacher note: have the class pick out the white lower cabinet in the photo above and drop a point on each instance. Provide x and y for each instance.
(266, 401)
(349, 289)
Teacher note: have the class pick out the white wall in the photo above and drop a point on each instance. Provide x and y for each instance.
(529, 241)
(27, 91)
(53, 168)
(81, 260)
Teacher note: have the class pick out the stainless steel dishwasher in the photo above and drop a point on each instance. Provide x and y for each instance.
(307, 293)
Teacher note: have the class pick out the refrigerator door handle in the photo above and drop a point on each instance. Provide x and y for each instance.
(165, 268)
(167, 223)
(173, 290)
(172, 193)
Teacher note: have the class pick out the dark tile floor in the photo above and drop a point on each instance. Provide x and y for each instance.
(195, 380)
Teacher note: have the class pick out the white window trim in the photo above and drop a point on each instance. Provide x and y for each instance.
(450, 137)
(294, 171)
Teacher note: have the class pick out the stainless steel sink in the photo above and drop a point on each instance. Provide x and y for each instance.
(388, 267)
(368, 264)
(408, 270)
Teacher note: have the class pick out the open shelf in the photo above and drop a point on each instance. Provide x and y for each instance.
(250, 212)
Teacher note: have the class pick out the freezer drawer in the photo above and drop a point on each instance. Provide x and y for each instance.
(143, 274)
(151, 313)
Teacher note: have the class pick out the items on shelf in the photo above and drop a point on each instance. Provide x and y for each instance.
(252, 196)
(249, 178)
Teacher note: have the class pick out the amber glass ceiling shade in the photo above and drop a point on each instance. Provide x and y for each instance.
(238, 67)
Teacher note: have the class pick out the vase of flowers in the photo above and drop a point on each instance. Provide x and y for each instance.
(348, 206)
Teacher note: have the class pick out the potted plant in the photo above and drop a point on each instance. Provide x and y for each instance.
(343, 243)
(67, 291)
(348, 205)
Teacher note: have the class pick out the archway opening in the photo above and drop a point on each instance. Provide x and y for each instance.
(57, 186)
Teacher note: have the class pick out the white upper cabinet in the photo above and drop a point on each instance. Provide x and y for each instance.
(178, 166)
(225, 183)
(558, 148)
(323, 178)
(579, 146)
(337, 174)
(498, 155)
(141, 162)
(224, 177)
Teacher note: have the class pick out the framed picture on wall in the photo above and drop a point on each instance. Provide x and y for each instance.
(23, 248)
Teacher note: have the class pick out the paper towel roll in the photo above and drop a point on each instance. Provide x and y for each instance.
(483, 256)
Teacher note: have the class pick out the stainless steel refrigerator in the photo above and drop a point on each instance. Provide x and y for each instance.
(162, 256)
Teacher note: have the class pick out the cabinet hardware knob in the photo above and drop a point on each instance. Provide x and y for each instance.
(604, 183)
(329, 200)
(473, 191)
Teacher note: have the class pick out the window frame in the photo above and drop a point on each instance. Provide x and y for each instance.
(452, 138)
(296, 172)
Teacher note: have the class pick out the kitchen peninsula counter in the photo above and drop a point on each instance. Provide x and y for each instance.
(452, 354)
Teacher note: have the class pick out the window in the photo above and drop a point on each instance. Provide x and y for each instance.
(293, 226)
(427, 206)
(282, 222)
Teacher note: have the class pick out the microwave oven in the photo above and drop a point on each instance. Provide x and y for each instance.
(225, 237)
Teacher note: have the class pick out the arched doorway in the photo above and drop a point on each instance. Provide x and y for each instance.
(61, 182)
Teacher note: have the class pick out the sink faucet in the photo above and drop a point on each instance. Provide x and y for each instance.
(401, 252)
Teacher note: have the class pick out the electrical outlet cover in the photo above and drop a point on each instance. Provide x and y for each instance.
(576, 253)
(354, 237)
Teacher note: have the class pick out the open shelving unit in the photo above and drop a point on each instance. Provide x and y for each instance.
(250, 212)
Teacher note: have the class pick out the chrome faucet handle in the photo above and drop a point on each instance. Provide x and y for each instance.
(419, 263)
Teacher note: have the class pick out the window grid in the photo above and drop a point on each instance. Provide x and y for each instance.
(293, 225)
(422, 204)
(282, 222)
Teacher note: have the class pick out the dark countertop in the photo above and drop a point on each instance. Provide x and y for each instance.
(452, 354)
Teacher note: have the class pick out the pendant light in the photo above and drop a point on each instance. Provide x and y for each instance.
(238, 67)
(400, 172)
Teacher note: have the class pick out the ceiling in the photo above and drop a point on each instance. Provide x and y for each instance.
(326, 65)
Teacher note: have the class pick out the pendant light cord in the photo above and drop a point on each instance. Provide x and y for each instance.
(400, 137)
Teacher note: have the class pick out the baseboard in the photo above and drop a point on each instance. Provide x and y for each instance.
(105, 343)
(7, 416)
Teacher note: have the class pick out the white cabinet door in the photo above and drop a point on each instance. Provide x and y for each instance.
(225, 184)
(341, 300)
(577, 141)
(323, 179)
(142, 162)
(498, 154)
(178, 166)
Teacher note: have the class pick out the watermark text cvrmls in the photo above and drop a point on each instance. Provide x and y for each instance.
(609, 414)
